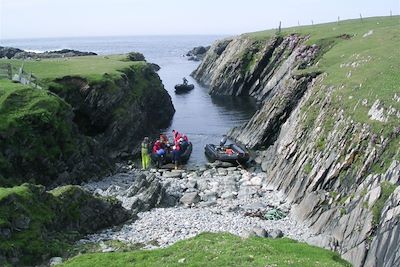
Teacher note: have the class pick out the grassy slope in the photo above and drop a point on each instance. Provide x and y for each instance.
(38, 123)
(35, 122)
(377, 54)
(359, 68)
(25, 201)
(53, 220)
(218, 250)
(91, 67)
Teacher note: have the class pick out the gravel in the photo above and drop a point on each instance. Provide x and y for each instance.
(231, 200)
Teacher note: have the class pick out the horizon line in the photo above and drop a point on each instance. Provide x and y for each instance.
(184, 34)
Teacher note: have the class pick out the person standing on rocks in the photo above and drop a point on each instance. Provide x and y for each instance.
(145, 153)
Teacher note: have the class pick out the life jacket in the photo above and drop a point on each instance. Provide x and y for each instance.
(229, 151)
(157, 146)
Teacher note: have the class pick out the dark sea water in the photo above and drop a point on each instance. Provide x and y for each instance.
(203, 118)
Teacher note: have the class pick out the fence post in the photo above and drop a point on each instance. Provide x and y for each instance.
(279, 29)
(312, 22)
(338, 19)
(361, 17)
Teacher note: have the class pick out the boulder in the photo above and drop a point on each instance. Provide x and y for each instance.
(276, 233)
(136, 56)
(260, 232)
(248, 234)
(55, 261)
(190, 198)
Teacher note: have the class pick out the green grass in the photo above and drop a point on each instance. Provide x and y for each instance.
(357, 69)
(376, 56)
(90, 67)
(26, 200)
(37, 127)
(386, 190)
(218, 250)
(55, 219)
(38, 122)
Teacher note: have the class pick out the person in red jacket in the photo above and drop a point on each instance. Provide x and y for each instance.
(159, 150)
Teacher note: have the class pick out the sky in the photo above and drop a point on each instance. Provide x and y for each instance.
(75, 18)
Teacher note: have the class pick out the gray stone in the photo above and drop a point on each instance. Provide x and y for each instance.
(264, 166)
(55, 261)
(276, 233)
(5, 233)
(172, 174)
(21, 222)
(254, 206)
(356, 255)
(260, 232)
(228, 195)
(190, 198)
(247, 234)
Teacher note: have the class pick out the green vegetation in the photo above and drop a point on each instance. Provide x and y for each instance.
(90, 67)
(386, 190)
(44, 224)
(361, 60)
(26, 203)
(218, 250)
(307, 168)
(39, 123)
(36, 125)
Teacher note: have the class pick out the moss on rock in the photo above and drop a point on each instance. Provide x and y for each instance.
(35, 224)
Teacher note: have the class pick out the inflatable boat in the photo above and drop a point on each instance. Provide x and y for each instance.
(229, 153)
(167, 158)
(182, 88)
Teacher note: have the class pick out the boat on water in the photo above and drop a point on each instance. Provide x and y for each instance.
(228, 153)
(183, 88)
(167, 158)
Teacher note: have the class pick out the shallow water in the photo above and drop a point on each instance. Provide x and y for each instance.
(204, 119)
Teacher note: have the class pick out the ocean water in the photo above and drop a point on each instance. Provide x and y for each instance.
(204, 119)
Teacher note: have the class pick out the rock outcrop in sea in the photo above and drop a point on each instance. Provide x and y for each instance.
(16, 53)
(311, 150)
(197, 53)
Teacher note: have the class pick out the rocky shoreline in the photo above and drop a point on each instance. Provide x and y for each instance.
(211, 199)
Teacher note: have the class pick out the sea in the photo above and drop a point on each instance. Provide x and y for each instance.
(203, 118)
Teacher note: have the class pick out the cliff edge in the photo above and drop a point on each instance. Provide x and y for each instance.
(327, 133)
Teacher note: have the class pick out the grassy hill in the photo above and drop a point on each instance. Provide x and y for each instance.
(363, 60)
(90, 67)
(45, 132)
(218, 250)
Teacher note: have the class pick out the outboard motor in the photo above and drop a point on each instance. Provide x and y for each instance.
(223, 140)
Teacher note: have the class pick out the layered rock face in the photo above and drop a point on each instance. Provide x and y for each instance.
(118, 112)
(339, 175)
(243, 66)
(76, 129)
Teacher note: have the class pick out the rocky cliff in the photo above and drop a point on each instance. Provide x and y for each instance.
(36, 224)
(326, 135)
(90, 112)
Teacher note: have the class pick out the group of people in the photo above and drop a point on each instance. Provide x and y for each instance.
(162, 147)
